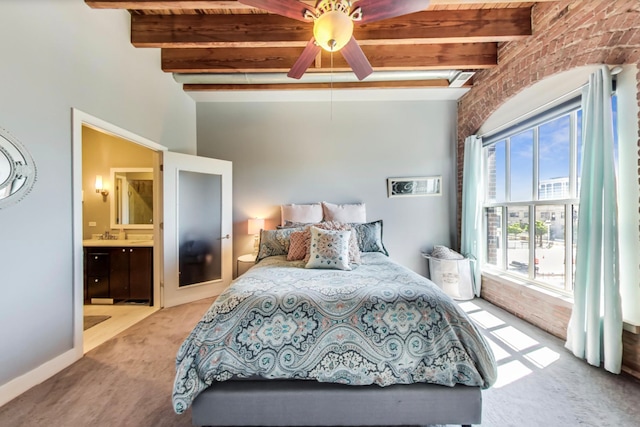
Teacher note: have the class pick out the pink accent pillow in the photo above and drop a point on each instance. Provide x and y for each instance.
(299, 243)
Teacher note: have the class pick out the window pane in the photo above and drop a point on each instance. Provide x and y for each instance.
(521, 166)
(496, 169)
(550, 245)
(494, 236)
(518, 240)
(554, 142)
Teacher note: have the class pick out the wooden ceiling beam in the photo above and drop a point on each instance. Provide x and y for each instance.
(166, 4)
(443, 26)
(235, 5)
(384, 57)
(218, 31)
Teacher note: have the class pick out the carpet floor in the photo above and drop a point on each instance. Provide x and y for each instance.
(127, 381)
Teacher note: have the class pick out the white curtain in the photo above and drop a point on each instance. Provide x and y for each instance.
(595, 328)
(471, 245)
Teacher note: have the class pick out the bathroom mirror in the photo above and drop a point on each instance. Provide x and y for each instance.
(132, 201)
(17, 170)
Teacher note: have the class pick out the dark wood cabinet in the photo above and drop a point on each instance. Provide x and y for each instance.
(96, 274)
(120, 273)
(140, 274)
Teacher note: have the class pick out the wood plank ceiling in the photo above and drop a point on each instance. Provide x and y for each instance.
(225, 39)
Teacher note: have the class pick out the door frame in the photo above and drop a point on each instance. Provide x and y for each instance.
(78, 120)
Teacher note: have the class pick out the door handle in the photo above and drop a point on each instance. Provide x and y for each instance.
(224, 237)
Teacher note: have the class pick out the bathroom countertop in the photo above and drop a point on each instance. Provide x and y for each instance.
(117, 243)
(140, 243)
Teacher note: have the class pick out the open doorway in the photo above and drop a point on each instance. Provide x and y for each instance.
(116, 232)
(117, 237)
(172, 183)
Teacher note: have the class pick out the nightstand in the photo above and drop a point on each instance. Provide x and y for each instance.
(245, 262)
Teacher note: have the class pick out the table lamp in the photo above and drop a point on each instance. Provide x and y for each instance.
(253, 227)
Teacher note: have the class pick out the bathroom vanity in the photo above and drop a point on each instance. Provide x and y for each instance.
(118, 271)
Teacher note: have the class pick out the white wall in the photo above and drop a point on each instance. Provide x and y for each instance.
(298, 152)
(59, 55)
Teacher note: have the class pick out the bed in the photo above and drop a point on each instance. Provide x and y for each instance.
(371, 344)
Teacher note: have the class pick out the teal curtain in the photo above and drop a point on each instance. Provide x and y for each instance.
(472, 198)
(595, 328)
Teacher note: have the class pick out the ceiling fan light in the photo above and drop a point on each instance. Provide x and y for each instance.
(333, 30)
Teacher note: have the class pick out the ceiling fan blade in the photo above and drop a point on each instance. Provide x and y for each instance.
(376, 10)
(304, 61)
(290, 8)
(356, 59)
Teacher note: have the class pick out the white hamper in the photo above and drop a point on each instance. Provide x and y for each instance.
(453, 276)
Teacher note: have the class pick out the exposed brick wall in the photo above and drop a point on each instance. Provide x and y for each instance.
(567, 34)
(631, 354)
(546, 312)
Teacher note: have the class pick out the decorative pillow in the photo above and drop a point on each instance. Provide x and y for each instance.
(354, 250)
(308, 214)
(355, 212)
(299, 245)
(370, 237)
(329, 249)
(274, 242)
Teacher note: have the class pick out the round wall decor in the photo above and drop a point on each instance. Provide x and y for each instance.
(17, 170)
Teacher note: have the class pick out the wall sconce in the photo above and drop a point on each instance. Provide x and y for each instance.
(254, 225)
(100, 188)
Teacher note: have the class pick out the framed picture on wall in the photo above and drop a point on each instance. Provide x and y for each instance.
(415, 186)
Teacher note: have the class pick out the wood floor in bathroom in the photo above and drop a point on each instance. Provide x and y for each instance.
(122, 317)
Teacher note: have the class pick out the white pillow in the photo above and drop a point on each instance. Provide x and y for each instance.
(329, 249)
(350, 213)
(308, 214)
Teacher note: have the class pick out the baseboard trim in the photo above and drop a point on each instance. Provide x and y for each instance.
(19, 385)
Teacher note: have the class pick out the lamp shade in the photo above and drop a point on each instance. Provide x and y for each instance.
(99, 184)
(255, 225)
(333, 30)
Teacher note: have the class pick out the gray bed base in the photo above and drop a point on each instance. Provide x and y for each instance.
(310, 403)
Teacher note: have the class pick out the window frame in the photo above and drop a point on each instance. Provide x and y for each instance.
(567, 108)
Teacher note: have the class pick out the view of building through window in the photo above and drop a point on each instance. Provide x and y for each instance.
(531, 208)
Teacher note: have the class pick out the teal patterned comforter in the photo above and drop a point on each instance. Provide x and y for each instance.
(378, 324)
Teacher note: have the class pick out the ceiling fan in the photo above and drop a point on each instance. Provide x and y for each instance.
(333, 26)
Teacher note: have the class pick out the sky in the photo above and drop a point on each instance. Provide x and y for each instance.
(553, 151)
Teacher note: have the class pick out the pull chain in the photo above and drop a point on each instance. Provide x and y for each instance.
(331, 90)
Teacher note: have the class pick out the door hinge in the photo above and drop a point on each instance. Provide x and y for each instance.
(161, 168)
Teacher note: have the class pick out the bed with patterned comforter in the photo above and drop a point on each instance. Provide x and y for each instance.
(377, 324)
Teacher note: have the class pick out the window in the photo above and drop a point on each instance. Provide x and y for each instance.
(531, 171)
